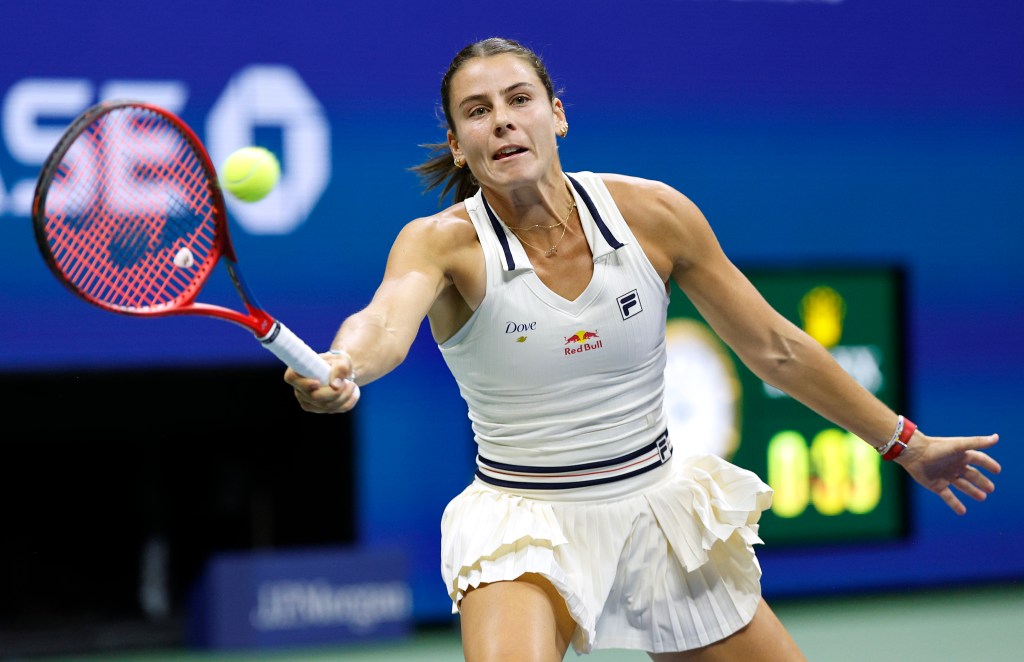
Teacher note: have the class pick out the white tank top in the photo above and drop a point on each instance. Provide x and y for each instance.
(551, 382)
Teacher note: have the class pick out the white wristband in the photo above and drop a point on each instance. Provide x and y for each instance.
(882, 450)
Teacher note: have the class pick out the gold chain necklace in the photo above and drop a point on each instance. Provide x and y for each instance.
(539, 225)
(554, 247)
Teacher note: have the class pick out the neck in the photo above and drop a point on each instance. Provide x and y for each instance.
(538, 211)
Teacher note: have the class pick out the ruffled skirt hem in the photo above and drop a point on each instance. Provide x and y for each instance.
(666, 568)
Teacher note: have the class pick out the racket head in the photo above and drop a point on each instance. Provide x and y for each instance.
(127, 190)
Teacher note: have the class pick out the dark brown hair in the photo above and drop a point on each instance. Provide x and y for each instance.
(439, 169)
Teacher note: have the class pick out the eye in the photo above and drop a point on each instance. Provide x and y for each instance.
(520, 99)
(476, 111)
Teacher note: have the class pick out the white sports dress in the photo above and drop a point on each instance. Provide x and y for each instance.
(576, 479)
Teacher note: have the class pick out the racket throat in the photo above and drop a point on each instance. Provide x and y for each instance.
(272, 333)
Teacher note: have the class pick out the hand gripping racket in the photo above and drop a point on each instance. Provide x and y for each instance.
(129, 215)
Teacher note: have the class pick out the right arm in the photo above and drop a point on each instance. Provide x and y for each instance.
(681, 245)
(375, 340)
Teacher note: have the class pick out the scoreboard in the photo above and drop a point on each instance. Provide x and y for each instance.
(829, 485)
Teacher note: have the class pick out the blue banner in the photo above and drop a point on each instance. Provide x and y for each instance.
(300, 597)
(821, 132)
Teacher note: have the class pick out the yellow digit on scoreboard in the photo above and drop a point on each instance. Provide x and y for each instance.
(789, 473)
(830, 457)
(837, 473)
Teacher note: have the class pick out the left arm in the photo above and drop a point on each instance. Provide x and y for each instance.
(682, 246)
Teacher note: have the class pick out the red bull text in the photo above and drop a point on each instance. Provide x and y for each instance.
(580, 342)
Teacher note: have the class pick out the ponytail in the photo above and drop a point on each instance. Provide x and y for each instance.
(439, 170)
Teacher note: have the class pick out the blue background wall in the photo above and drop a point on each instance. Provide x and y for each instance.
(809, 132)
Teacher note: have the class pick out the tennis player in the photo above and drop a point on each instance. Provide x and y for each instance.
(547, 294)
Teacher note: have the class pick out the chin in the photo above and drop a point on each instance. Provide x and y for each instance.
(515, 175)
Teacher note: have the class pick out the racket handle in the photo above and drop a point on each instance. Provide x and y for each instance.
(297, 355)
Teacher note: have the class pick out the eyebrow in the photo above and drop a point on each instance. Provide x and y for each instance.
(508, 90)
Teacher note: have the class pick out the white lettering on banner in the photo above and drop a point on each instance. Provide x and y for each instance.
(168, 94)
(62, 198)
(263, 95)
(3, 196)
(30, 140)
(289, 605)
(30, 100)
(36, 112)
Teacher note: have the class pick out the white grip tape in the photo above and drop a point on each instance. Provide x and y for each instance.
(297, 355)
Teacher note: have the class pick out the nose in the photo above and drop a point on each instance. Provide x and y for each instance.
(502, 122)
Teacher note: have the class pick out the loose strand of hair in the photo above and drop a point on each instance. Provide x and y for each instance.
(440, 170)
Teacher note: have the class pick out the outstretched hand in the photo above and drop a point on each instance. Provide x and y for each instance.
(941, 463)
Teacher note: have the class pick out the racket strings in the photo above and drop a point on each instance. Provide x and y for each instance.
(146, 275)
(129, 194)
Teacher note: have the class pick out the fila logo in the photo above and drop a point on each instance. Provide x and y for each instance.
(629, 305)
(664, 448)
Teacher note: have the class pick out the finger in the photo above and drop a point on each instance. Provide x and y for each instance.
(306, 404)
(980, 480)
(964, 484)
(341, 365)
(340, 375)
(298, 380)
(352, 397)
(984, 461)
(301, 382)
(312, 392)
(983, 442)
(951, 501)
(307, 392)
(339, 397)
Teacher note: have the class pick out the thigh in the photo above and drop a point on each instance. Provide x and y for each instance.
(764, 639)
(525, 620)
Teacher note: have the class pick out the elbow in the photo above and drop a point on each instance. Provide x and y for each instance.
(779, 359)
(397, 356)
(782, 350)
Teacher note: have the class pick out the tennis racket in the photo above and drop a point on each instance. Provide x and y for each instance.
(129, 215)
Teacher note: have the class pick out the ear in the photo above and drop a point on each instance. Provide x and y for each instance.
(453, 145)
(559, 111)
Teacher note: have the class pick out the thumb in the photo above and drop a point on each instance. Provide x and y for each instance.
(341, 370)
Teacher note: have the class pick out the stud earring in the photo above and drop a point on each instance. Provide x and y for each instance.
(565, 130)
(459, 163)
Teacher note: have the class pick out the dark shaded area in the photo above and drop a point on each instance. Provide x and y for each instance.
(116, 482)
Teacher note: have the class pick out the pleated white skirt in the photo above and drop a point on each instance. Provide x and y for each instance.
(660, 562)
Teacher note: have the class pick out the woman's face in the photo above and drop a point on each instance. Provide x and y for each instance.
(505, 124)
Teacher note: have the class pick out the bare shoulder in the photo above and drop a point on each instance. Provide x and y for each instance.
(448, 229)
(445, 247)
(646, 196)
(665, 221)
(442, 240)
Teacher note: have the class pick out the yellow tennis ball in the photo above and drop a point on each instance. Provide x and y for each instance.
(250, 173)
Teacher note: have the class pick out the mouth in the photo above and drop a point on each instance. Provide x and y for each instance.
(508, 151)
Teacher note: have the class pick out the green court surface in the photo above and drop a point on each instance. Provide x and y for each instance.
(948, 625)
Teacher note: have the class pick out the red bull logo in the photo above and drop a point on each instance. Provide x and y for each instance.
(581, 342)
(580, 336)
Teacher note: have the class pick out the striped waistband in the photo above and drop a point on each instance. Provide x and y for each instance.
(642, 460)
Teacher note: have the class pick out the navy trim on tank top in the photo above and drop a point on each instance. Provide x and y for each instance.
(510, 263)
(601, 472)
(601, 225)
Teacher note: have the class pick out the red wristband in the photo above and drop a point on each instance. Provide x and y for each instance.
(905, 434)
